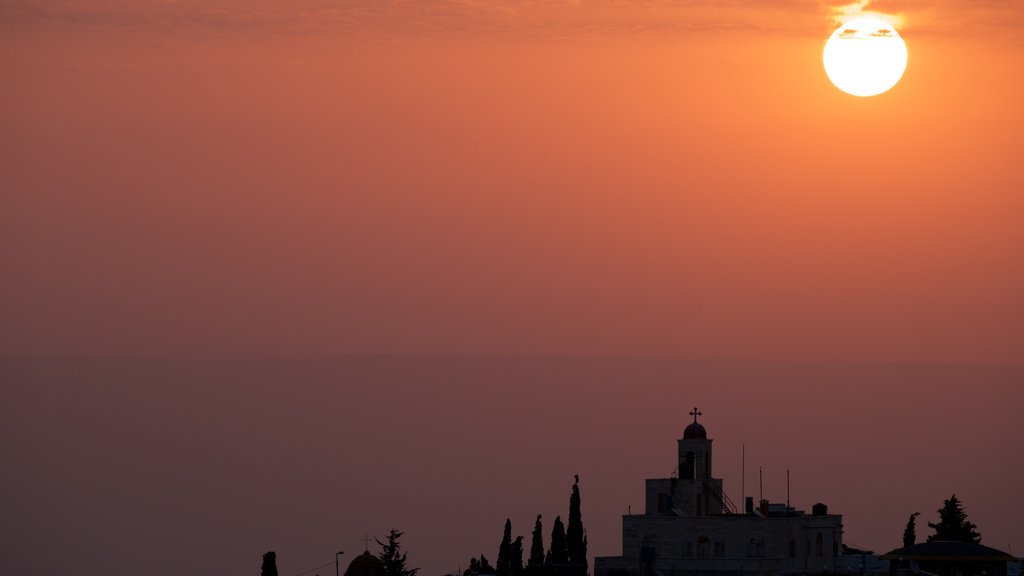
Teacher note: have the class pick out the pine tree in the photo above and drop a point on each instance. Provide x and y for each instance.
(953, 524)
(269, 567)
(393, 558)
(575, 539)
(558, 553)
(505, 551)
(910, 532)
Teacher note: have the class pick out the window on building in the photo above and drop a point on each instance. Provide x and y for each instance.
(755, 547)
(687, 548)
(719, 549)
(792, 548)
(662, 503)
(819, 546)
(689, 471)
(702, 546)
(835, 547)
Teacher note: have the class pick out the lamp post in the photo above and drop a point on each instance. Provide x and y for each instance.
(336, 565)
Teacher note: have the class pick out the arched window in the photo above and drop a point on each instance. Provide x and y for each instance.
(755, 547)
(702, 547)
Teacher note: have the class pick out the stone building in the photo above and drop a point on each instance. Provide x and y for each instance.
(690, 528)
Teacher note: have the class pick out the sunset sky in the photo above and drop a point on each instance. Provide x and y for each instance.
(673, 179)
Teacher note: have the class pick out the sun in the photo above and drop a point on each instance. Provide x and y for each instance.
(865, 57)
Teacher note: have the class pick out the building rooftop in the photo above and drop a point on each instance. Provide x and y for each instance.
(944, 550)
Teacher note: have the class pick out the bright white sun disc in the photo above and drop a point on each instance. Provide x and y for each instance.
(865, 57)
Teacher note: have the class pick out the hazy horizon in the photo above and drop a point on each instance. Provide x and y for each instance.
(207, 464)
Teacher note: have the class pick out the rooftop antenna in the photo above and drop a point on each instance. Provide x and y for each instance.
(787, 489)
(743, 477)
(760, 480)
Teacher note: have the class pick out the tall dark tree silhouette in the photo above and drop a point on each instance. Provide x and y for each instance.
(536, 561)
(505, 551)
(910, 532)
(392, 556)
(558, 553)
(575, 539)
(953, 524)
(515, 561)
(269, 567)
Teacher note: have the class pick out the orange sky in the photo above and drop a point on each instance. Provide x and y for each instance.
(653, 178)
(602, 178)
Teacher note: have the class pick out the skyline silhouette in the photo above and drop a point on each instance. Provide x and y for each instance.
(117, 462)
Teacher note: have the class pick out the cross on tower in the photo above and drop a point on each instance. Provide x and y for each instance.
(696, 413)
(366, 543)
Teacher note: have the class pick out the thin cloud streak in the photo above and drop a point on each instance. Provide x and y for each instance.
(529, 18)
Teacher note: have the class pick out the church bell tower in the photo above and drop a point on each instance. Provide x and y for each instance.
(697, 492)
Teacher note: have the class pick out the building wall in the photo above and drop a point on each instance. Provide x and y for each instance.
(729, 543)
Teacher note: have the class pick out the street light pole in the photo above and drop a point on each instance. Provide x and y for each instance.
(336, 566)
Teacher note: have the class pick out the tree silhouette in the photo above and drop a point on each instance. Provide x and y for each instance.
(953, 524)
(515, 562)
(392, 556)
(575, 539)
(910, 532)
(536, 561)
(558, 553)
(505, 551)
(269, 567)
(481, 566)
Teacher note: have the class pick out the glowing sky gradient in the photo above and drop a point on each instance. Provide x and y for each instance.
(670, 178)
(663, 179)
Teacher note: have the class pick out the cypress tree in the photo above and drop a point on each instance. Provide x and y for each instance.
(910, 532)
(515, 564)
(505, 551)
(536, 560)
(575, 539)
(558, 553)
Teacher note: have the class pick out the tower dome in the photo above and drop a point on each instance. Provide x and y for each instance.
(365, 564)
(695, 431)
